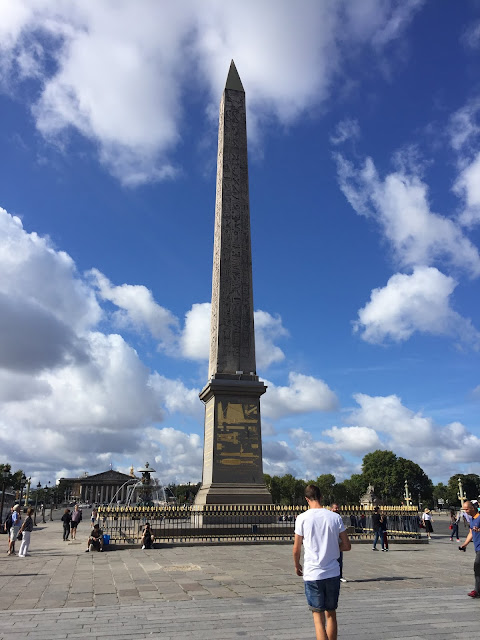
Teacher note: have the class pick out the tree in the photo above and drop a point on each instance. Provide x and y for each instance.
(355, 487)
(326, 484)
(470, 486)
(387, 474)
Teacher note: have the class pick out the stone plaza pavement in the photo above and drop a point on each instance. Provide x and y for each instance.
(224, 592)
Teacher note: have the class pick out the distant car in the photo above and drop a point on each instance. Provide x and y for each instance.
(85, 505)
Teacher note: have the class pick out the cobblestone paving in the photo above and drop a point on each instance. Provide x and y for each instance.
(250, 591)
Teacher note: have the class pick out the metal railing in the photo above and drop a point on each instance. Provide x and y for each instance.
(239, 523)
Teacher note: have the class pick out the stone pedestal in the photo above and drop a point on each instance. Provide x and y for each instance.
(232, 455)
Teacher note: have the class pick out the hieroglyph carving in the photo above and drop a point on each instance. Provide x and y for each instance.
(232, 342)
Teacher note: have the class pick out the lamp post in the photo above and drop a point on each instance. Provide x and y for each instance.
(407, 496)
(27, 493)
(461, 496)
(5, 476)
(51, 502)
(39, 486)
(23, 482)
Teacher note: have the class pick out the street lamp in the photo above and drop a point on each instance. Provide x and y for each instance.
(27, 493)
(23, 481)
(39, 486)
(407, 496)
(5, 476)
(460, 493)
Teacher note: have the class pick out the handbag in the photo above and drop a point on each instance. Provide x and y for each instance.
(451, 526)
(20, 536)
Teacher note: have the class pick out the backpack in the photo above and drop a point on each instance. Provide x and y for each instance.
(8, 521)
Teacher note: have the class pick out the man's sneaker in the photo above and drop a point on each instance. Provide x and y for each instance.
(343, 579)
(474, 594)
(87, 550)
(143, 547)
(384, 549)
(374, 548)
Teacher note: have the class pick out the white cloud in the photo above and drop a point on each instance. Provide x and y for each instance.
(318, 457)
(464, 126)
(303, 395)
(180, 455)
(467, 186)
(471, 36)
(399, 203)
(116, 72)
(137, 308)
(419, 302)
(176, 397)
(347, 129)
(195, 338)
(356, 440)
(267, 329)
(437, 449)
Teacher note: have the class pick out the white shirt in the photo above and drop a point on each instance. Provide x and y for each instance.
(320, 530)
(426, 516)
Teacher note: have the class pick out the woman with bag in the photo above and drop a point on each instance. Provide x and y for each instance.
(25, 531)
(427, 521)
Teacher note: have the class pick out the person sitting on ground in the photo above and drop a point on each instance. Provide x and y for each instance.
(95, 541)
(147, 537)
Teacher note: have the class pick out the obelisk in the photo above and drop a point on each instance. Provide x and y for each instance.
(232, 455)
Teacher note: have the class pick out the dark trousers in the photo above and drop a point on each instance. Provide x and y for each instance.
(476, 571)
(66, 531)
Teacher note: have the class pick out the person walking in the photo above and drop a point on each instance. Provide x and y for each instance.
(377, 520)
(319, 531)
(76, 519)
(14, 529)
(473, 535)
(66, 519)
(384, 527)
(335, 508)
(428, 521)
(26, 530)
(454, 521)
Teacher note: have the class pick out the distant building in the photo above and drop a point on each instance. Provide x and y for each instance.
(100, 487)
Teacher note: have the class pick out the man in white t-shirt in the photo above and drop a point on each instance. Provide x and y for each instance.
(323, 535)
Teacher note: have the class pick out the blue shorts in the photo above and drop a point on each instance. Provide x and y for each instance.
(322, 595)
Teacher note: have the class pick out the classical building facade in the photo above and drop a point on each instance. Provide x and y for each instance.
(101, 487)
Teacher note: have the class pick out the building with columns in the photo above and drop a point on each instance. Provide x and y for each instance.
(101, 487)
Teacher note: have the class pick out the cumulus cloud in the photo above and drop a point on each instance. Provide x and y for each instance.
(355, 440)
(268, 328)
(195, 337)
(467, 186)
(137, 308)
(175, 396)
(438, 449)
(317, 456)
(303, 395)
(399, 203)
(419, 302)
(116, 73)
(180, 455)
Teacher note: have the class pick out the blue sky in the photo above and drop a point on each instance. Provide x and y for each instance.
(363, 124)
